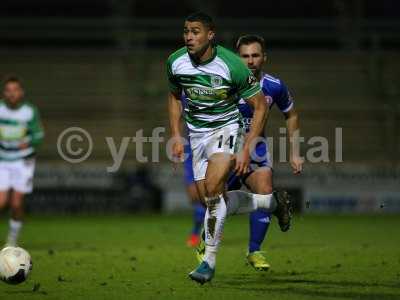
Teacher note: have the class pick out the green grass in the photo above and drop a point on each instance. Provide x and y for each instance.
(144, 257)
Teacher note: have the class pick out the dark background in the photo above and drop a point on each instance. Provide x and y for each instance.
(99, 65)
(177, 9)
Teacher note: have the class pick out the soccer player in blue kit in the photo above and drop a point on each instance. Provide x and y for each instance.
(251, 48)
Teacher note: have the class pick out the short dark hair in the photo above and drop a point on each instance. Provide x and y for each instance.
(11, 79)
(203, 18)
(250, 39)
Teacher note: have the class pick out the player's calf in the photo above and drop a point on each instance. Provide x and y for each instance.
(17, 213)
(213, 226)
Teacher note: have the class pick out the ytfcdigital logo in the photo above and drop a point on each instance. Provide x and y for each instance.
(75, 145)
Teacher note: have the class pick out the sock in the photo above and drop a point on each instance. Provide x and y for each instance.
(199, 212)
(240, 202)
(213, 225)
(14, 229)
(265, 202)
(259, 223)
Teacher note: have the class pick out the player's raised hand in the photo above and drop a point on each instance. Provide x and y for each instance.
(242, 162)
(296, 163)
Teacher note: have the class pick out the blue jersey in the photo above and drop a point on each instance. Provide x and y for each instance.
(275, 92)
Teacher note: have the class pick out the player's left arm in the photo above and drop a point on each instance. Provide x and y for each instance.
(293, 128)
(249, 89)
(35, 129)
(286, 105)
(260, 112)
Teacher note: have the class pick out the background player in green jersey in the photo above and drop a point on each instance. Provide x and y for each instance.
(213, 80)
(20, 134)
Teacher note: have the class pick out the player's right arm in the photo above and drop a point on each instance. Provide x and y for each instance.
(175, 113)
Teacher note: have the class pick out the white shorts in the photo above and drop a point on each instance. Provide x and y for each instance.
(17, 175)
(228, 139)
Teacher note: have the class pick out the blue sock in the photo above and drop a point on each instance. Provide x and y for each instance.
(198, 217)
(259, 223)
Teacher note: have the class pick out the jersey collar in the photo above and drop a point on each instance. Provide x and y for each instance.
(19, 104)
(213, 56)
(262, 74)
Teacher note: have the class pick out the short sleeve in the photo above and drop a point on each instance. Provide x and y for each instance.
(174, 87)
(284, 100)
(246, 83)
(36, 128)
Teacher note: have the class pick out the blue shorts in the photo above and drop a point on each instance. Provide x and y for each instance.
(260, 158)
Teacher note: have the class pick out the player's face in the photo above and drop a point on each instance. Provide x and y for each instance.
(197, 37)
(253, 56)
(13, 93)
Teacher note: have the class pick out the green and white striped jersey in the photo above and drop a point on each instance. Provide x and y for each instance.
(212, 89)
(17, 127)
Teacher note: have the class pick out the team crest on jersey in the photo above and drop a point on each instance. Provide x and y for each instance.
(269, 99)
(216, 81)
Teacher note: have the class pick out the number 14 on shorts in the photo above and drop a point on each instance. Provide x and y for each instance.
(229, 141)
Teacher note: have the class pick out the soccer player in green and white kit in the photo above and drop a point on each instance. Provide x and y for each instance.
(20, 134)
(213, 80)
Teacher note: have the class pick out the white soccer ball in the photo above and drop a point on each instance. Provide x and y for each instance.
(15, 265)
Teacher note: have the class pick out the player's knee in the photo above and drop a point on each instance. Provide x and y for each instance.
(213, 189)
(3, 199)
(3, 205)
(265, 190)
(212, 201)
(16, 204)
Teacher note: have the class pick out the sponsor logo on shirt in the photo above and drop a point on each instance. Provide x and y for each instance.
(201, 92)
(247, 123)
(206, 93)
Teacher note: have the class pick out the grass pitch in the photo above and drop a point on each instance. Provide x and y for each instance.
(145, 257)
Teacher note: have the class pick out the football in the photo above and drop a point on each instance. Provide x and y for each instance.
(15, 265)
